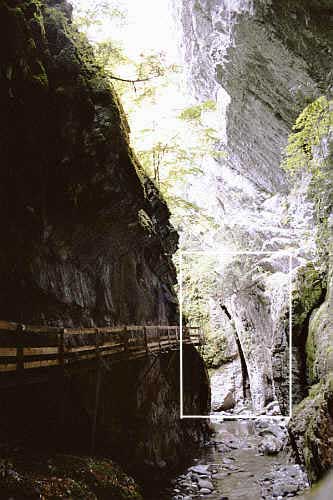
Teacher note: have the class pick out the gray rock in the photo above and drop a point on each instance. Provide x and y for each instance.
(200, 469)
(220, 475)
(270, 445)
(228, 402)
(204, 483)
(205, 491)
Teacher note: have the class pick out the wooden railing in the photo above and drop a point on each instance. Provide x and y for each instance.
(24, 347)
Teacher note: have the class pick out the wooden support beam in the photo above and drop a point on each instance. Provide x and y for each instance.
(125, 332)
(20, 349)
(146, 339)
(61, 363)
(97, 393)
(61, 349)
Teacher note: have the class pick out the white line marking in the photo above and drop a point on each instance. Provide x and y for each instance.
(181, 333)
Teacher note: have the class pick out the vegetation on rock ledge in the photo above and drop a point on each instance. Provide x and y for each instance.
(305, 147)
(64, 476)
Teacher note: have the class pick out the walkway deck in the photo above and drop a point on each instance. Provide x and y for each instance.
(24, 348)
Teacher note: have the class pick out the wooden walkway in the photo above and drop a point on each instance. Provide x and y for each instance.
(25, 348)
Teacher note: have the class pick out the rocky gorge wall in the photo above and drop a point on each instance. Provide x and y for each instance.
(142, 431)
(82, 225)
(86, 241)
(263, 62)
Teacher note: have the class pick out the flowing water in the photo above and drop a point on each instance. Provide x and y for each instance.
(243, 460)
(231, 467)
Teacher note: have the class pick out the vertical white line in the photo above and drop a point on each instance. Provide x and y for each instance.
(290, 339)
(181, 333)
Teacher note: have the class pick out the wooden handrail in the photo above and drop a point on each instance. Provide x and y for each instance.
(28, 346)
(11, 326)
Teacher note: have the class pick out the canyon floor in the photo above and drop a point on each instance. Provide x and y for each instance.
(231, 467)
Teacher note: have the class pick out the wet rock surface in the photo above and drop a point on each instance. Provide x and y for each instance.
(263, 61)
(31, 475)
(88, 243)
(142, 431)
(227, 394)
(83, 224)
(231, 468)
(245, 55)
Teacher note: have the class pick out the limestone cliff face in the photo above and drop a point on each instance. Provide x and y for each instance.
(86, 240)
(263, 61)
(86, 237)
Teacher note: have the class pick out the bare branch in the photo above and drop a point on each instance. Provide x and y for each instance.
(137, 80)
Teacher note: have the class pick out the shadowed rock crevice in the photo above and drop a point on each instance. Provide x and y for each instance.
(245, 375)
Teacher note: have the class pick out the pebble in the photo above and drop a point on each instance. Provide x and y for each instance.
(200, 469)
(220, 475)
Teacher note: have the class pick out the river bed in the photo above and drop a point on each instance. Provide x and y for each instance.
(244, 459)
(231, 467)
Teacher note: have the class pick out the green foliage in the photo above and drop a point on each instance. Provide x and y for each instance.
(215, 351)
(95, 12)
(310, 149)
(195, 112)
(110, 54)
(199, 281)
(169, 158)
(304, 149)
(309, 289)
(172, 160)
(171, 151)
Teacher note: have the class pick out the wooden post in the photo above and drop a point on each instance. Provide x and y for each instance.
(20, 349)
(125, 340)
(97, 393)
(202, 336)
(61, 350)
(169, 340)
(146, 339)
(159, 338)
(61, 361)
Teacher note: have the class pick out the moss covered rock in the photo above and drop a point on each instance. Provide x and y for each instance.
(319, 346)
(307, 294)
(311, 429)
(64, 476)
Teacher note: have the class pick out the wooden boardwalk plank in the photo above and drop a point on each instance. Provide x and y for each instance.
(28, 347)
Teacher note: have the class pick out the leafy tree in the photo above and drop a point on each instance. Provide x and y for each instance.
(168, 157)
(91, 18)
(93, 13)
(304, 149)
(172, 154)
(174, 159)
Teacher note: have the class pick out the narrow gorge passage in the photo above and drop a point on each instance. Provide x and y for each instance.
(166, 260)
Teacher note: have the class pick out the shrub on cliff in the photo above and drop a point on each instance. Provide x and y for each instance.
(306, 143)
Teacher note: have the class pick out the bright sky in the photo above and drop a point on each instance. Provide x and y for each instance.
(150, 27)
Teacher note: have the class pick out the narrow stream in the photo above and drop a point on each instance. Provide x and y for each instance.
(243, 460)
(231, 467)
